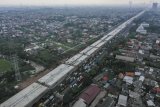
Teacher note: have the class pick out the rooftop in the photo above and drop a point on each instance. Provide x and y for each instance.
(125, 58)
(109, 102)
(90, 93)
(79, 103)
(122, 100)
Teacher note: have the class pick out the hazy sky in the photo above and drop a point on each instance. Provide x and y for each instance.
(69, 2)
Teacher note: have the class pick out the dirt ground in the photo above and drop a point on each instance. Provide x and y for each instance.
(33, 79)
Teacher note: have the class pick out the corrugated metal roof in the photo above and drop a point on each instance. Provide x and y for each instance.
(109, 102)
(125, 58)
(90, 93)
(141, 78)
(150, 103)
(79, 103)
(97, 99)
(122, 100)
(128, 79)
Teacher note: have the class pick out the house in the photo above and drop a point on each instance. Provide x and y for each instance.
(144, 24)
(108, 102)
(141, 78)
(133, 94)
(131, 74)
(98, 98)
(128, 79)
(137, 73)
(154, 56)
(90, 93)
(158, 41)
(125, 58)
(79, 103)
(150, 103)
(141, 29)
(122, 101)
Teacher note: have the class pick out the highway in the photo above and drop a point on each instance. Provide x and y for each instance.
(28, 96)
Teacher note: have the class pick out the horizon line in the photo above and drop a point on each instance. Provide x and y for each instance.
(75, 5)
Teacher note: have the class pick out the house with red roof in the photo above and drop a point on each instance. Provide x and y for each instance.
(90, 93)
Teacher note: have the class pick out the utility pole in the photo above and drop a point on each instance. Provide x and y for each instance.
(14, 59)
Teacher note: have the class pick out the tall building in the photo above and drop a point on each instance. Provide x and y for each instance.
(154, 5)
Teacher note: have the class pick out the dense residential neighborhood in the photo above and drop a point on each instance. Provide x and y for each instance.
(80, 57)
(39, 39)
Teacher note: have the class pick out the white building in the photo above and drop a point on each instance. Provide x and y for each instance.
(122, 100)
(144, 24)
(137, 73)
(141, 29)
(141, 78)
(158, 41)
(125, 58)
(141, 52)
(133, 94)
(150, 103)
(128, 79)
(79, 103)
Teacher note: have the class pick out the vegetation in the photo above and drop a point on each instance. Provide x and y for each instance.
(5, 65)
(7, 78)
(153, 64)
(6, 91)
(154, 28)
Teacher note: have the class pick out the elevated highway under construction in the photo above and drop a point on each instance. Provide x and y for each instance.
(30, 95)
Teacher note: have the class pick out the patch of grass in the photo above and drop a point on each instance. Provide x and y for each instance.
(5, 65)
(64, 46)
